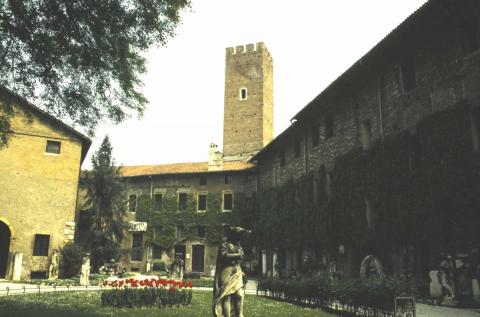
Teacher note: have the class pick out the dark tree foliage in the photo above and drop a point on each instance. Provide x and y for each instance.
(81, 60)
(104, 196)
(71, 260)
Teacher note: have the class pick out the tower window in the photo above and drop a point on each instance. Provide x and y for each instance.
(243, 94)
(203, 180)
(228, 179)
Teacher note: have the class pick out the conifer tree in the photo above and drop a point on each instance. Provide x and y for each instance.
(104, 196)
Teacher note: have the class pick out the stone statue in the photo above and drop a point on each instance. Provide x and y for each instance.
(177, 267)
(229, 288)
(370, 267)
(53, 268)
(435, 286)
(446, 279)
(85, 271)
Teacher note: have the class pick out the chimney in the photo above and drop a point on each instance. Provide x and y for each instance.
(215, 158)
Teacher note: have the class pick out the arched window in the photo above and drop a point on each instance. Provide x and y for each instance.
(243, 94)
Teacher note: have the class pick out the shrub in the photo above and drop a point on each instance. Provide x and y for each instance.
(159, 266)
(71, 257)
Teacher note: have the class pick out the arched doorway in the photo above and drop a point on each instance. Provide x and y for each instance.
(4, 247)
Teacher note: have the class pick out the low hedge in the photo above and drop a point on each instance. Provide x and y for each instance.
(355, 294)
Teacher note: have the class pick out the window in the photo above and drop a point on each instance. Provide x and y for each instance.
(282, 158)
(415, 152)
(243, 94)
(180, 232)
(202, 202)
(53, 147)
(201, 231)
(158, 201)
(227, 201)
(315, 136)
(365, 134)
(296, 148)
(182, 201)
(475, 129)
(228, 179)
(132, 203)
(249, 203)
(156, 252)
(40, 246)
(329, 126)
(249, 179)
(328, 185)
(158, 231)
(84, 220)
(38, 275)
(408, 74)
(137, 242)
(469, 40)
(203, 180)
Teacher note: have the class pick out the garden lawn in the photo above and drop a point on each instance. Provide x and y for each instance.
(87, 304)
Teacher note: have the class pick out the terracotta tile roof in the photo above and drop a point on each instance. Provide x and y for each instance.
(181, 168)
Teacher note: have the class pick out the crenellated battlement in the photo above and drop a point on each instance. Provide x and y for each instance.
(248, 48)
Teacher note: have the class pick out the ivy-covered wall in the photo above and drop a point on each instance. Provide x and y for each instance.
(423, 190)
(169, 218)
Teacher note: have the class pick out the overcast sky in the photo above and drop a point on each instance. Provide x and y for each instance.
(312, 42)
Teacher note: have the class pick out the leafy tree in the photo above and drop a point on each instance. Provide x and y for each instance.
(104, 196)
(81, 59)
(71, 260)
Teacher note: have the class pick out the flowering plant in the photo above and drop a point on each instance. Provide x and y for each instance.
(147, 292)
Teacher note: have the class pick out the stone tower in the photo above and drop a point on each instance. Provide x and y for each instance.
(248, 108)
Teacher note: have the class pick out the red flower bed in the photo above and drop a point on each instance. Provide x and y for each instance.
(134, 283)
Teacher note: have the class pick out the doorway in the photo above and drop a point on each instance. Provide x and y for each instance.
(181, 250)
(198, 257)
(4, 248)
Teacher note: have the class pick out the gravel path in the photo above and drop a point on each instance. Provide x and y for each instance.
(424, 310)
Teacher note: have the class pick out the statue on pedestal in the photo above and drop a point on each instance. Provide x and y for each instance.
(53, 268)
(229, 287)
(177, 267)
(85, 271)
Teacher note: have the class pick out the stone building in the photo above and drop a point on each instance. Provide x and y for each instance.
(178, 209)
(384, 161)
(39, 174)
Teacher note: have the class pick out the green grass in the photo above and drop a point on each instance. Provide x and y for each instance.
(87, 304)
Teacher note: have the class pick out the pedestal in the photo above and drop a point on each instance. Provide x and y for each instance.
(264, 262)
(17, 266)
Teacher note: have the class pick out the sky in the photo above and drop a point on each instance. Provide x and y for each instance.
(312, 42)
